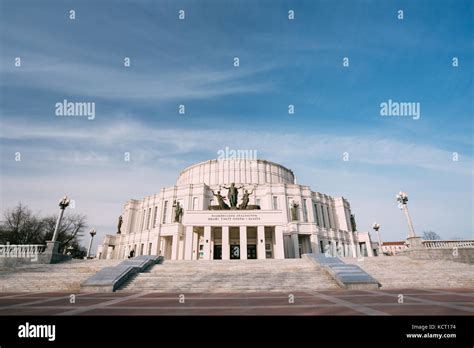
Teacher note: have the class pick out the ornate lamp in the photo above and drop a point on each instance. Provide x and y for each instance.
(92, 232)
(402, 199)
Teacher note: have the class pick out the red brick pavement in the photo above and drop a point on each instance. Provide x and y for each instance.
(336, 302)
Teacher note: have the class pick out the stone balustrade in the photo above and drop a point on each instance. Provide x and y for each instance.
(454, 250)
(12, 255)
(448, 244)
(21, 250)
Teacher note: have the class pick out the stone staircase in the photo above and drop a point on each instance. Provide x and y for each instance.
(232, 276)
(401, 272)
(60, 277)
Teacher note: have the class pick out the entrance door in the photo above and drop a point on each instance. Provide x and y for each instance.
(304, 244)
(217, 252)
(235, 252)
(251, 251)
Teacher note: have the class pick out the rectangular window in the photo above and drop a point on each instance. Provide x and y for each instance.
(149, 248)
(329, 218)
(324, 219)
(155, 216)
(316, 216)
(275, 203)
(148, 219)
(305, 211)
(195, 203)
(141, 249)
(165, 212)
(321, 246)
(143, 220)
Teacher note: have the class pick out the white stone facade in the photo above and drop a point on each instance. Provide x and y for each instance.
(322, 223)
(366, 246)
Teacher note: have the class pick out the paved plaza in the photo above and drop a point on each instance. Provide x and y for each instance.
(437, 302)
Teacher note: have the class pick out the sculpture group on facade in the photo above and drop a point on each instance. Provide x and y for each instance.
(232, 196)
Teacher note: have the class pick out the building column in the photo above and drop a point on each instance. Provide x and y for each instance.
(243, 242)
(207, 242)
(296, 244)
(353, 244)
(370, 252)
(333, 243)
(188, 243)
(181, 241)
(279, 248)
(225, 243)
(314, 243)
(175, 246)
(261, 242)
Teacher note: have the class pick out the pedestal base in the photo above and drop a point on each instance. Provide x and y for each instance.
(51, 254)
(415, 242)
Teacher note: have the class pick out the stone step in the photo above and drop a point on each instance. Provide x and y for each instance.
(232, 276)
(52, 277)
(402, 272)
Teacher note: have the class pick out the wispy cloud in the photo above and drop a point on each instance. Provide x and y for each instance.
(107, 140)
(99, 81)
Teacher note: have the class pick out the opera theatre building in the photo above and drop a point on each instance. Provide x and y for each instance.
(233, 209)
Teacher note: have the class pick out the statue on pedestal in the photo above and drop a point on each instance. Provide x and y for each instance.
(245, 199)
(353, 223)
(119, 226)
(294, 211)
(220, 200)
(233, 194)
(178, 211)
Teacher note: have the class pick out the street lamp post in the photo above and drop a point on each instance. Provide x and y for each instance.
(402, 199)
(92, 233)
(63, 204)
(376, 227)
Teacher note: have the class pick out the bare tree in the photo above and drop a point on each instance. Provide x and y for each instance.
(21, 226)
(430, 235)
(72, 227)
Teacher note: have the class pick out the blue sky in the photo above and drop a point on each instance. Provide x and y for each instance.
(282, 62)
